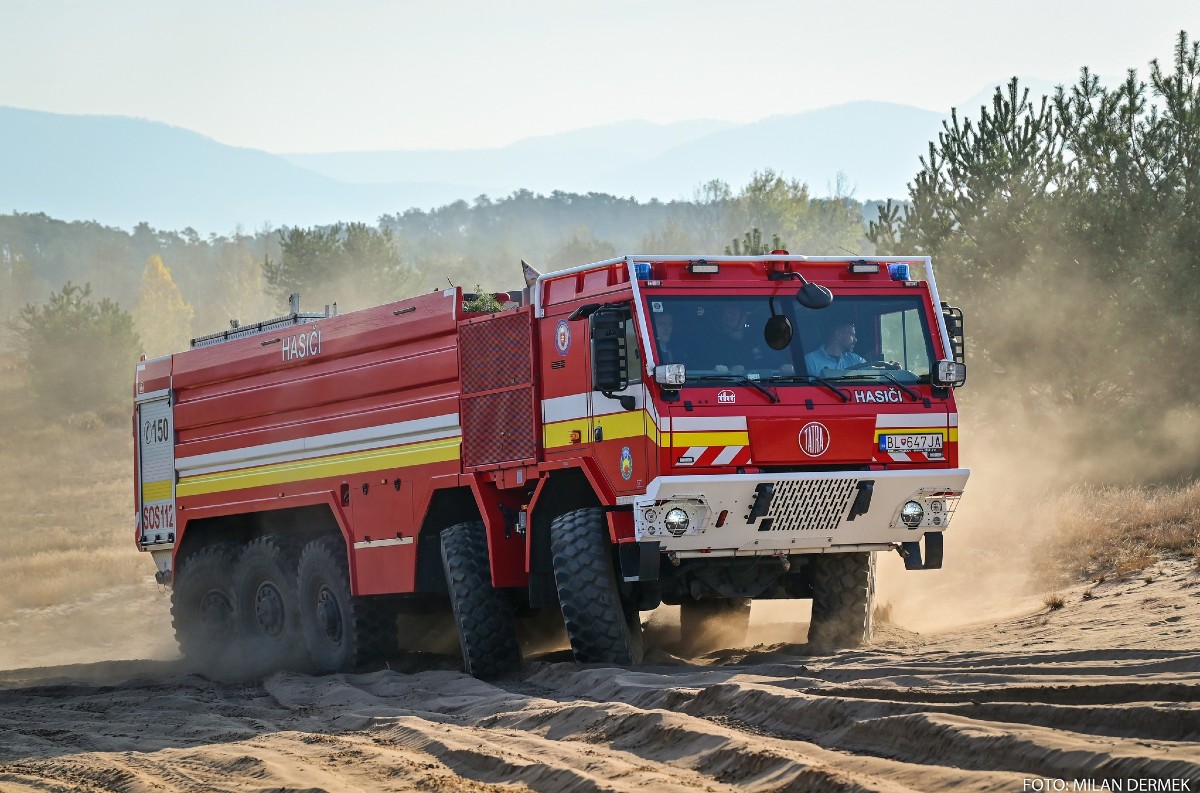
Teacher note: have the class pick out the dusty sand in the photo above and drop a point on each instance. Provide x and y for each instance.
(1108, 687)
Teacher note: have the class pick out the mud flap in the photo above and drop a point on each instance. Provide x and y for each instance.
(639, 561)
(911, 551)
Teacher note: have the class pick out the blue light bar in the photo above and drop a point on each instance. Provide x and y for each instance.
(898, 272)
(641, 270)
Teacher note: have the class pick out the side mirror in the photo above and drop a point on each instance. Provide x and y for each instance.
(814, 296)
(610, 355)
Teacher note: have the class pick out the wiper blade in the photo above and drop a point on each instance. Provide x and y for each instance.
(812, 378)
(741, 380)
(913, 395)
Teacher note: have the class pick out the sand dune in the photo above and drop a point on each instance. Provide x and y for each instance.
(1108, 687)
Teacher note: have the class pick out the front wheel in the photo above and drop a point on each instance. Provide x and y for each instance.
(843, 593)
(484, 619)
(603, 629)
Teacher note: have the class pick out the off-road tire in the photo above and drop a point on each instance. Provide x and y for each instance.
(268, 606)
(341, 632)
(483, 616)
(602, 628)
(204, 607)
(843, 587)
(714, 624)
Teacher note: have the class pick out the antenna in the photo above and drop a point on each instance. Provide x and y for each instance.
(452, 286)
(852, 253)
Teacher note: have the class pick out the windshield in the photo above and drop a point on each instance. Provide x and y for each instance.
(857, 338)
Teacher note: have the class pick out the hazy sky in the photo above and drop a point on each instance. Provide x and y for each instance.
(301, 75)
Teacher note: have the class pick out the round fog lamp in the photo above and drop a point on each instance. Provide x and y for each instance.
(676, 521)
(912, 514)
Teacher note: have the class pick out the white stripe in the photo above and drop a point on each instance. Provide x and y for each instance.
(693, 453)
(414, 431)
(565, 408)
(911, 420)
(358, 546)
(708, 423)
(953, 419)
(726, 457)
(900, 457)
(603, 406)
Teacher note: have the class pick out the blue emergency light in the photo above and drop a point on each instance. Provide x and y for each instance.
(898, 272)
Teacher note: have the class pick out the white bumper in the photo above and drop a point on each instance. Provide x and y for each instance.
(803, 513)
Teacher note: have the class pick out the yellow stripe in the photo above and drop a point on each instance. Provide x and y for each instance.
(683, 440)
(156, 491)
(337, 465)
(631, 424)
(948, 435)
(559, 433)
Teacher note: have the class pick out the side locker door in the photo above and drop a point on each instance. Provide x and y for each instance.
(565, 360)
(156, 474)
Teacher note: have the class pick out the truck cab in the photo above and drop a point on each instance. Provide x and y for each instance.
(782, 419)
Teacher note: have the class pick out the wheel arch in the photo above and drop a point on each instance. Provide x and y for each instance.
(559, 492)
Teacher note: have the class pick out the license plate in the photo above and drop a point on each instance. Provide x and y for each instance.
(899, 444)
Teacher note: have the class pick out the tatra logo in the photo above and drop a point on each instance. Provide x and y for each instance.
(814, 439)
(626, 463)
(302, 345)
(879, 395)
(726, 396)
(562, 337)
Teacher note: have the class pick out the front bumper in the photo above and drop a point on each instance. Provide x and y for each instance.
(751, 514)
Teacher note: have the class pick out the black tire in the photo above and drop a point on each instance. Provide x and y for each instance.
(268, 606)
(715, 624)
(341, 632)
(486, 632)
(603, 629)
(843, 593)
(204, 607)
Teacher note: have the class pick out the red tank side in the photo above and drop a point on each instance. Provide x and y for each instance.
(355, 411)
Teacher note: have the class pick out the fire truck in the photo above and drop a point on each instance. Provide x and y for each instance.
(646, 430)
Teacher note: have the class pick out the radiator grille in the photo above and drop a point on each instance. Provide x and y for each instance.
(496, 353)
(811, 505)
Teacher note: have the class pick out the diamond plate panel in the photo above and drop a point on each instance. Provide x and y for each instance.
(498, 428)
(496, 353)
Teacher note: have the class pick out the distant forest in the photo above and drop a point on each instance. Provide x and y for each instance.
(247, 276)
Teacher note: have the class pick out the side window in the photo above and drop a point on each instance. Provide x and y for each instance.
(902, 338)
(634, 365)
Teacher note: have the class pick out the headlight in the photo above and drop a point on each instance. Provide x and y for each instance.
(676, 522)
(912, 514)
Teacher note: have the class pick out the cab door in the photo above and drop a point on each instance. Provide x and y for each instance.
(564, 365)
(620, 437)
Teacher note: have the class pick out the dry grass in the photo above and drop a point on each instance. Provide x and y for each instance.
(1105, 531)
(66, 505)
(1054, 601)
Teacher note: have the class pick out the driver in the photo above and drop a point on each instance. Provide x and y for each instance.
(837, 352)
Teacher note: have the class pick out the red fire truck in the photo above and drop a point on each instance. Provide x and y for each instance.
(644, 430)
